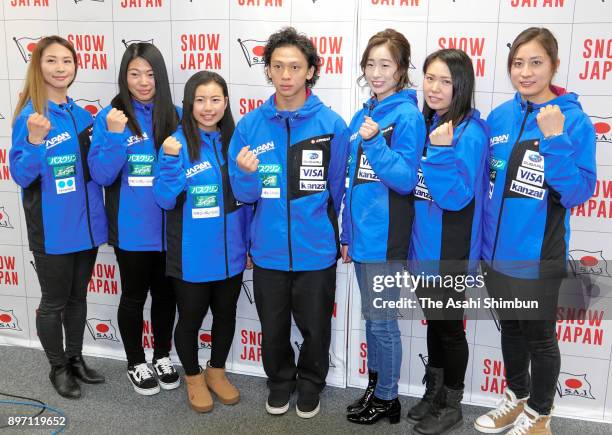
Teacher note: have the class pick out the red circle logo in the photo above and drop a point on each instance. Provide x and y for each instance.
(91, 109)
(573, 383)
(259, 50)
(589, 261)
(31, 46)
(1, 216)
(206, 337)
(102, 328)
(602, 127)
(5, 318)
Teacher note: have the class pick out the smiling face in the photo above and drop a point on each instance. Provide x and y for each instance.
(209, 106)
(381, 72)
(141, 80)
(58, 68)
(438, 87)
(532, 71)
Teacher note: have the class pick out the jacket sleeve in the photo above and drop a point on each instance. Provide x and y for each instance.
(569, 163)
(451, 172)
(337, 164)
(26, 160)
(247, 187)
(397, 166)
(170, 180)
(108, 153)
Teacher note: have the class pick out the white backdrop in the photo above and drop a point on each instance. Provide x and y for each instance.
(227, 36)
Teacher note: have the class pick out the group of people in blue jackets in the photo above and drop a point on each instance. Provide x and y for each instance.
(188, 200)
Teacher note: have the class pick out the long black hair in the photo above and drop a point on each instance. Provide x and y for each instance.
(462, 74)
(190, 126)
(165, 118)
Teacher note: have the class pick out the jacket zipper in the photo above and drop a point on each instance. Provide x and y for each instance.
(501, 209)
(287, 195)
(224, 216)
(84, 182)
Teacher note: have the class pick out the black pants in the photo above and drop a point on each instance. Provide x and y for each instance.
(309, 296)
(63, 283)
(447, 346)
(529, 337)
(193, 300)
(141, 271)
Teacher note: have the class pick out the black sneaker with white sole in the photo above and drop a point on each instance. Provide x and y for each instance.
(278, 402)
(308, 405)
(142, 379)
(166, 373)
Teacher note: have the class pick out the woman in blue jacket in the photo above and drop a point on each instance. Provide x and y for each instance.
(63, 206)
(542, 163)
(207, 234)
(386, 144)
(123, 158)
(446, 231)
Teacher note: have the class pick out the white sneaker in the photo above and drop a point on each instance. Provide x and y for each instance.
(503, 416)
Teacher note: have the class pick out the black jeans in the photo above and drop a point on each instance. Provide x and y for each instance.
(447, 345)
(193, 300)
(63, 283)
(309, 296)
(529, 337)
(141, 271)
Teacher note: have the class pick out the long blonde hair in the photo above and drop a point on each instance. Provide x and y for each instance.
(35, 88)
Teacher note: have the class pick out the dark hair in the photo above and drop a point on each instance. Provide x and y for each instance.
(189, 124)
(400, 50)
(165, 118)
(544, 37)
(462, 74)
(288, 36)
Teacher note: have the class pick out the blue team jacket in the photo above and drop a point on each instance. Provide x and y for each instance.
(298, 186)
(448, 200)
(533, 182)
(382, 174)
(63, 206)
(126, 165)
(207, 229)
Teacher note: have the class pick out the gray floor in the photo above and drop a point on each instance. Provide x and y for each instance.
(115, 408)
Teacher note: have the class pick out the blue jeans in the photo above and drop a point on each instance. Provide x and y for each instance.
(382, 329)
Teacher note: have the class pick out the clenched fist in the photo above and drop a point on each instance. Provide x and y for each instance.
(442, 135)
(551, 120)
(38, 128)
(116, 120)
(368, 129)
(246, 160)
(171, 146)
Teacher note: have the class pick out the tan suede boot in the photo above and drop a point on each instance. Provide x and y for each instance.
(198, 394)
(221, 386)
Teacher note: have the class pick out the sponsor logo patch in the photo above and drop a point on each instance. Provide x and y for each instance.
(533, 160)
(527, 190)
(312, 157)
(311, 173)
(529, 176)
(313, 185)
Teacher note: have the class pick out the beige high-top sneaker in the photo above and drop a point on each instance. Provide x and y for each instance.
(503, 416)
(531, 423)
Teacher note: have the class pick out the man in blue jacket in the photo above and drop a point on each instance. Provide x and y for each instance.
(289, 157)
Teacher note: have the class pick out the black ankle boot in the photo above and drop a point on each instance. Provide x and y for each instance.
(364, 401)
(86, 374)
(64, 383)
(444, 416)
(434, 381)
(377, 409)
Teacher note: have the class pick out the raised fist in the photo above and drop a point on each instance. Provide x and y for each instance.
(368, 129)
(442, 135)
(172, 146)
(116, 120)
(38, 128)
(551, 120)
(246, 160)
